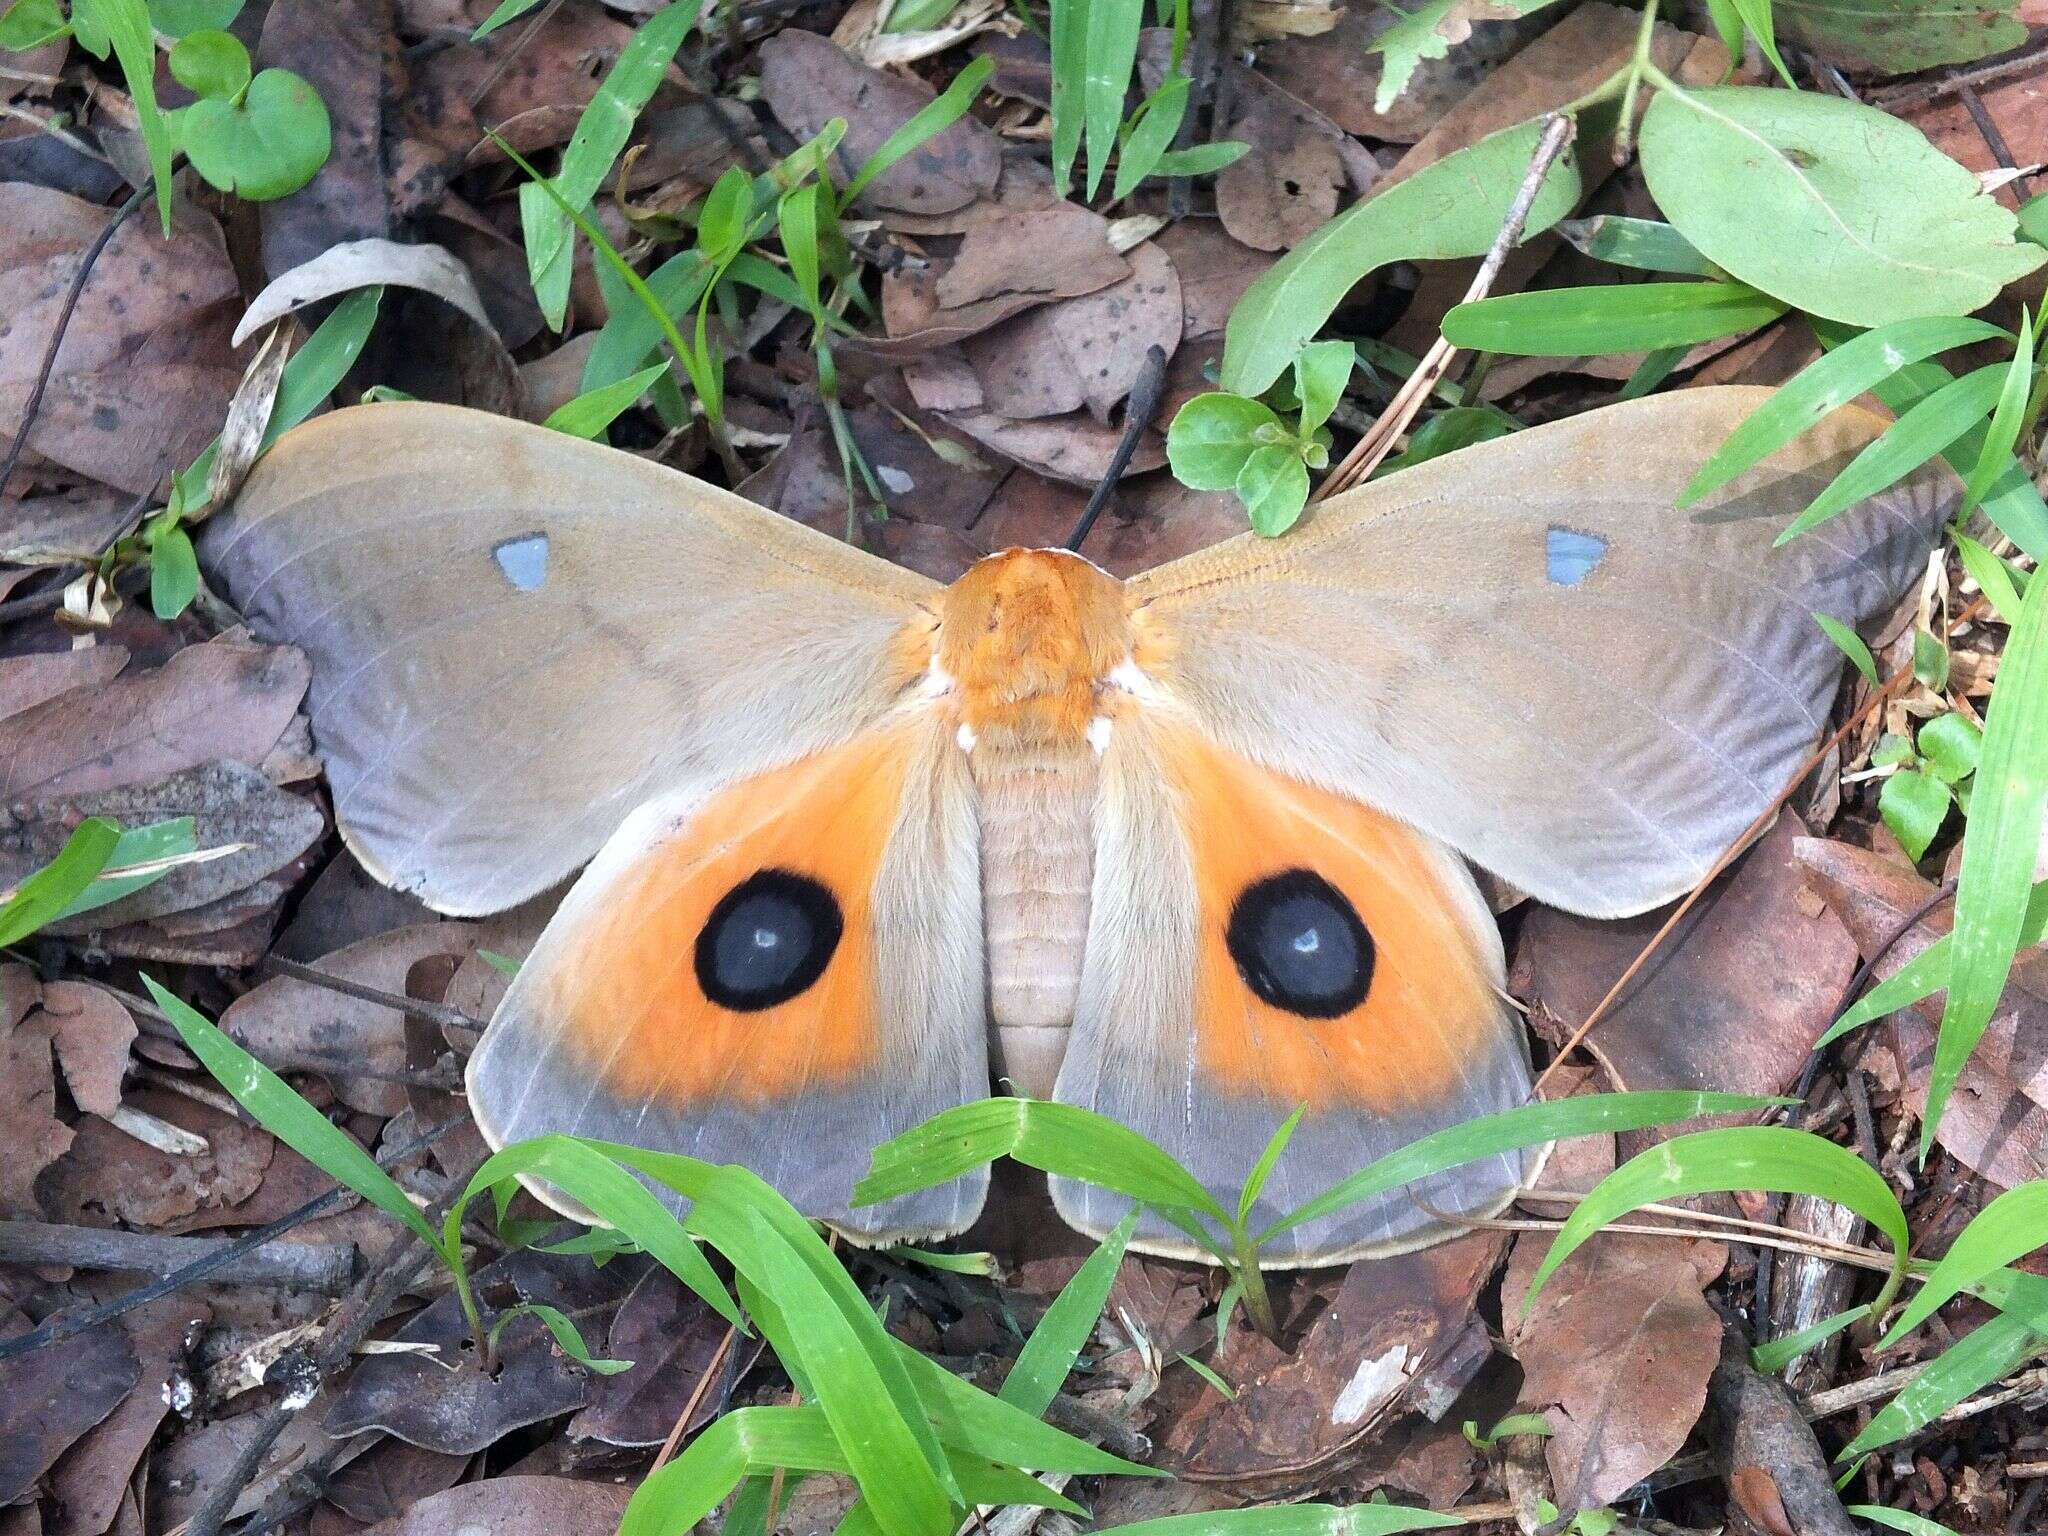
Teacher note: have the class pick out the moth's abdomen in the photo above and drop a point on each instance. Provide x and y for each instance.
(1037, 842)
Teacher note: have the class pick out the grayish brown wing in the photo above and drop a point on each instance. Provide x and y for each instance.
(1526, 650)
(518, 637)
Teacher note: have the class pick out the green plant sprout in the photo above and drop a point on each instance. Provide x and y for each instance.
(1930, 775)
(1225, 442)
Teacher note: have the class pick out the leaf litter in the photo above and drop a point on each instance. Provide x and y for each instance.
(993, 331)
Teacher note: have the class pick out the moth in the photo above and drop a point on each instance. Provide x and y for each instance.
(1190, 849)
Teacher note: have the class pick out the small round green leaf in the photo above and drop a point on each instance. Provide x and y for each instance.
(268, 145)
(1211, 437)
(1951, 744)
(210, 63)
(1832, 206)
(181, 18)
(30, 24)
(1914, 805)
(1273, 485)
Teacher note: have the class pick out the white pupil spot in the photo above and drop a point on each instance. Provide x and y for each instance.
(1307, 942)
(766, 938)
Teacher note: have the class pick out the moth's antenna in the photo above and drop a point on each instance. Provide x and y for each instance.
(1144, 404)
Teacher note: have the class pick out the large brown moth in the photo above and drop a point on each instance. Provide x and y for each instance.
(1189, 849)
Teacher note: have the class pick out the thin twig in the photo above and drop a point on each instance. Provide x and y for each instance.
(78, 280)
(1987, 129)
(327, 1270)
(71, 1325)
(2016, 66)
(1365, 456)
(712, 1371)
(412, 1007)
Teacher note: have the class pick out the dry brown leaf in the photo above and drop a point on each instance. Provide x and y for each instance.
(50, 1397)
(31, 1136)
(92, 1030)
(808, 80)
(340, 49)
(1616, 1353)
(227, 700)
(26, 681)
(1334, 72)
(145, 369)
(107, 1178)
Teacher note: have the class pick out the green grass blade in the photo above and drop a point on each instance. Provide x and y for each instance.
(608, 1192)
(2001, 841)
(930, 120)
(1773, 1356)
(1982, 1356)
(568, 1336)
(1157, 120)
(1825, 385)
(1528, 1125)
(160, 844)
(1769, 1157)
(1851, 645)
(2012, 1225)
(1262, 1170)
(601, 134)
(1049, 1354)
(2006, 420)
(1609, 317)
(127, 26)
(1111, 51)
(47, 894)
(1899, 1520)
(1917, 436)
(971, 1420)
(675, 1497)
(591, 412)
(1992, 575)
(280, 1110)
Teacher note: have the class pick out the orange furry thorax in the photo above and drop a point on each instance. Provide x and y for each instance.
(1028, 637)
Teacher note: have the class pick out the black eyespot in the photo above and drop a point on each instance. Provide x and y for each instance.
(768, 939)
(1299, 945)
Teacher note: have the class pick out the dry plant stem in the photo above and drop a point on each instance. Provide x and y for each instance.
(412, 1007)
(1855, 1394)
(2026, 62)
(69, 1326)
(1365, 456)
(327, 1270)
(711, 1373)
(56, 342)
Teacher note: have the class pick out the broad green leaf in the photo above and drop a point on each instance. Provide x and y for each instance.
(1427, 32)
(314, 373)
(1830, 381)
(1914, 805)
(2033, 217)
(1529, 1125)
(1773, 1356)
(1926, 974)
(179, 18)
(1158, 120)
(48, 893)
(173, 573)
(1899, 36)
(1645, 244)
(1320, 373)
(591, 412)
(1766, 1157)
(1983, 1355)
(2001, 839)
(928, 122)
(265, 145)
(601, 133)
(1917, 436)
(210, 63)
(1211, 437)
(1851, 645)
(1952, 744)
(1273, 485)
(137, 849)
(1450, 209)
(1608, 317)
(125, 25)
(726, 213)
(1049, 1354)
(31, 23)
(278, 1108)
(1832, 206)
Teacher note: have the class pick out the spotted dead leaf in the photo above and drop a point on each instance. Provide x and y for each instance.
(145, 369)
(1084, 352)
(229, 699)
(672, 1338)
(808, 80)
(1616, 1353)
